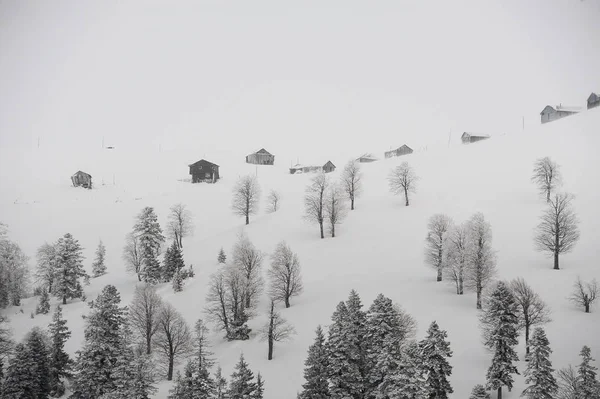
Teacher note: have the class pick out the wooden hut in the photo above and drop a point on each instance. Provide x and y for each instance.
(261, 157)
(328, 167)
(402, 150)
(593, 101)
(366, 158)
(550, 114)
(82, 179)
(471, 138)
(204, 171)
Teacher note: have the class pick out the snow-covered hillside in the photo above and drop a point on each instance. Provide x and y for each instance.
(379, 247)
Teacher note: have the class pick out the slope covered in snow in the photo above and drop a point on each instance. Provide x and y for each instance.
(379, 247)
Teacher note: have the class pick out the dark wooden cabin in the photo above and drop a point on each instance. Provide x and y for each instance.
(261, 157)
(82, 179)
(328, 167)
(471, 138)
(402, 150)
(593, 101)
(204, 171)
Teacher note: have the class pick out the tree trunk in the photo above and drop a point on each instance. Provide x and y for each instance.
(170, 372)
(321, 226)
(247, 218)
(548, 195)
(271, 328)
(587, 307)
(139, 277)
(439, 266)
(439, 273)
(556, 260)
(460, 285)
(287, 301)
(500, 393)
(64, 299)
(352, 202)
(270, 357)
(478, 298)
(406, 196)
(526, 338)
(332, 229)
(148, 344)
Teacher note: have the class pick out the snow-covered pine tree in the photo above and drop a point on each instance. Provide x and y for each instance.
(60, 362)
(347, 349)
(43, 306)
(405, 376)
(479, 392)
(177, 262)
(99, 267)
(178, 281)
(178, 389)
(69, 269)
(586, 372)
(104, 345)
(260, 387)
(542, 384)
(20, 379)
(222, 258)
(503, 311)
(135, 375)
(220, 385)
(150, 237)
(435, 351)
(169, 268)
(241, 383)
(197, 376)
(315, 370)
(38, 352)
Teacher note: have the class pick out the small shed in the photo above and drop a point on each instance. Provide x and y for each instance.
(472, 138)
(82, 179)
(402, 150)
(593, 101)
(328, 167)
(366, 158)
(296, 169)
(550, 113)
(261, 157)
(204, 171)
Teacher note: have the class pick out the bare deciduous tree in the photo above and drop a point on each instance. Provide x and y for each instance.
(180, 224)
(351, 181)
(407, 325)
(216, 301)
(276, 329)
(568, 383)
(436, 249)
(403, 180)
(173, 338)
(273, 201)
(284, 274)
(246, 196)
(249, 260)
(46, 266)
(314, 200)
(533, 310)
(144, 313)
(546, 175)
(557, 232)
(335, 207)
(459, 250)
(481, 267)
(585, 294)
(132, 255)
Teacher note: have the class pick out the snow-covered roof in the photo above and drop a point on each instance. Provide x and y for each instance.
(367, 156)
(560, 107)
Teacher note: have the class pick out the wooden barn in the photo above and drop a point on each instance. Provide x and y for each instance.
(204, 171)
(366, 158)
(82, 179)
(261, 157)
(328, 167)
(550, 114)
(403, 150)
(471, 138)
(593, 101)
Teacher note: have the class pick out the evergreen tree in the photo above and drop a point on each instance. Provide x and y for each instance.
(502, 311)
(347, 349)
(178, 390)
(38, 352)
(60, 362)
(135, 375)
(241, 385)
(315, 370)
(260, 387)
(220, 385)
(173, 262)
(479, 392)
(43, 306)
(1, 374)
(105, 344)
(405, 377)
(149, 234)
(222, 258)
(20, 379)
(69, 269)
(434, 351)
(542, 384)
(586, 373)
(178, 281)
(98, 267)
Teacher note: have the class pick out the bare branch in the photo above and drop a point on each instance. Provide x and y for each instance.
(351, 181)
(546, 176)
(335, 207)
(585, 294)
(481, 266)
(276, 329)
(180, 224)
(284, 274)
(144, 313)
(246, 196)
(533, 310)
(436, 249)
(132, 255)
(402, 180)
(273, 200)
(249, 260)
(173, 339)
(314, 200)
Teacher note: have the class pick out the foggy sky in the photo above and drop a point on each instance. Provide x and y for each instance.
(302, 78)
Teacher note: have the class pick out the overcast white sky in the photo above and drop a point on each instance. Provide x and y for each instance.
(288, 75)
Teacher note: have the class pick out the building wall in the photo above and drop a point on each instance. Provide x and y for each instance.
(552, 116)
(260, 159)
(403, 151)
(204, 173)
(594, 104)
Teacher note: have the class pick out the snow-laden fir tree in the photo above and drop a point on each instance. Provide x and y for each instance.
(60, 362)
(178, 390)
(316, 385)
(220, 384)
(241, 383)
(404, 377)
(347, 349)
(539, 373)
(222, 258)
(144, 376)
(435, 351)
(173, 262)
(99, 267)
(260, 387)
(502, 311)
(43, 306)
(150, 237)
(588, 387)
(178, 281)
(200, 382)
(20, 379)
(104, 345)
(479, 392)
(46, 264)
(69, 269)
